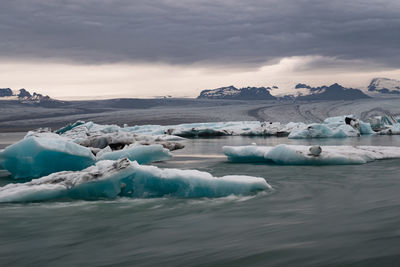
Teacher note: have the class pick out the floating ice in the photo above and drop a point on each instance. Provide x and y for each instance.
(43, 153)
(323, 131)
(34, 156)
(109, 179)
(301, 155)
(175, 132)
(141, 154)
(341, 126)
(333, 127)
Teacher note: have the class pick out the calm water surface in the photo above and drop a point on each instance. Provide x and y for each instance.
(314, 216)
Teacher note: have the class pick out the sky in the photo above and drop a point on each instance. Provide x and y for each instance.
(74, 49)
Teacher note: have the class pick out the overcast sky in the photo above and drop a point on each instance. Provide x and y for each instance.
(134, 48)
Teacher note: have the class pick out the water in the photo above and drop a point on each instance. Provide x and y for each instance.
(315, 216)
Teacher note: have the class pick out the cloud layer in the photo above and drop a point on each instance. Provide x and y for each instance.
(217, 32)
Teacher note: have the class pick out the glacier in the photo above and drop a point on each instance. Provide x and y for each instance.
(301, 155)
(110, 179)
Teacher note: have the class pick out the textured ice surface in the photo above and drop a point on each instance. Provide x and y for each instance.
(109, 179)
(37, 156)
(87, 134)
(324, 131)
(300, 155)
(175, 132)
(333, 127)
(96, 135)
(141, 154)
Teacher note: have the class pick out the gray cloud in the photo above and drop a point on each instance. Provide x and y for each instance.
(189, 31)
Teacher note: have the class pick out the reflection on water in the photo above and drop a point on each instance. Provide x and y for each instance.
(315, 216)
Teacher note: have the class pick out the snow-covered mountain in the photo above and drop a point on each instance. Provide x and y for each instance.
(332, 92)
(301, 92)
(23, 95)
(231, 92)
(384, 86)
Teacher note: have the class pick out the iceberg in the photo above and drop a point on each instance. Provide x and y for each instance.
(391, 130)
(110, 179)
(333, 127)
(37, 156)
(176, 132)
(302, 155)
(336, 127)
(323, 131)
(43, 153)
(140, 153)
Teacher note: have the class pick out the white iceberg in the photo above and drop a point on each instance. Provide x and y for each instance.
(333, 127)
(323, 131)
(301, 155)
(341, 126)
(109, 179)
(141, 154)
(176, 132)
(391, 130)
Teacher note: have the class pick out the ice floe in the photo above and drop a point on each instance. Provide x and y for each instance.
(306, 155)
(109, 179)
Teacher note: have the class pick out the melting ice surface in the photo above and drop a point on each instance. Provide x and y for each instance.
(109, 179)
(301, 155)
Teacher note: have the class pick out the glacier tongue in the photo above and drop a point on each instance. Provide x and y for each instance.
(301, 155)
(109, 179)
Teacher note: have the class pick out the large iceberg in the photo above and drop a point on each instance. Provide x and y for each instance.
(109, 179)
(304, 155)
(40, 154)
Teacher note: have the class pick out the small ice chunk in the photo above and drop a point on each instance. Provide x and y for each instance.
(141, 154)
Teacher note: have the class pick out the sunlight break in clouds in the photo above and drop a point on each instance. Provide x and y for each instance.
(83, 81)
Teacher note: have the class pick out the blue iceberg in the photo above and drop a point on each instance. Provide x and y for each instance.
(40, 154)
(110, 179)
(35, 157)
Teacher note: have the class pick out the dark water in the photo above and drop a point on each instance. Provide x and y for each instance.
(315, 216)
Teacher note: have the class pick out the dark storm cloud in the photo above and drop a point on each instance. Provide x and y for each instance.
(185, 32)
